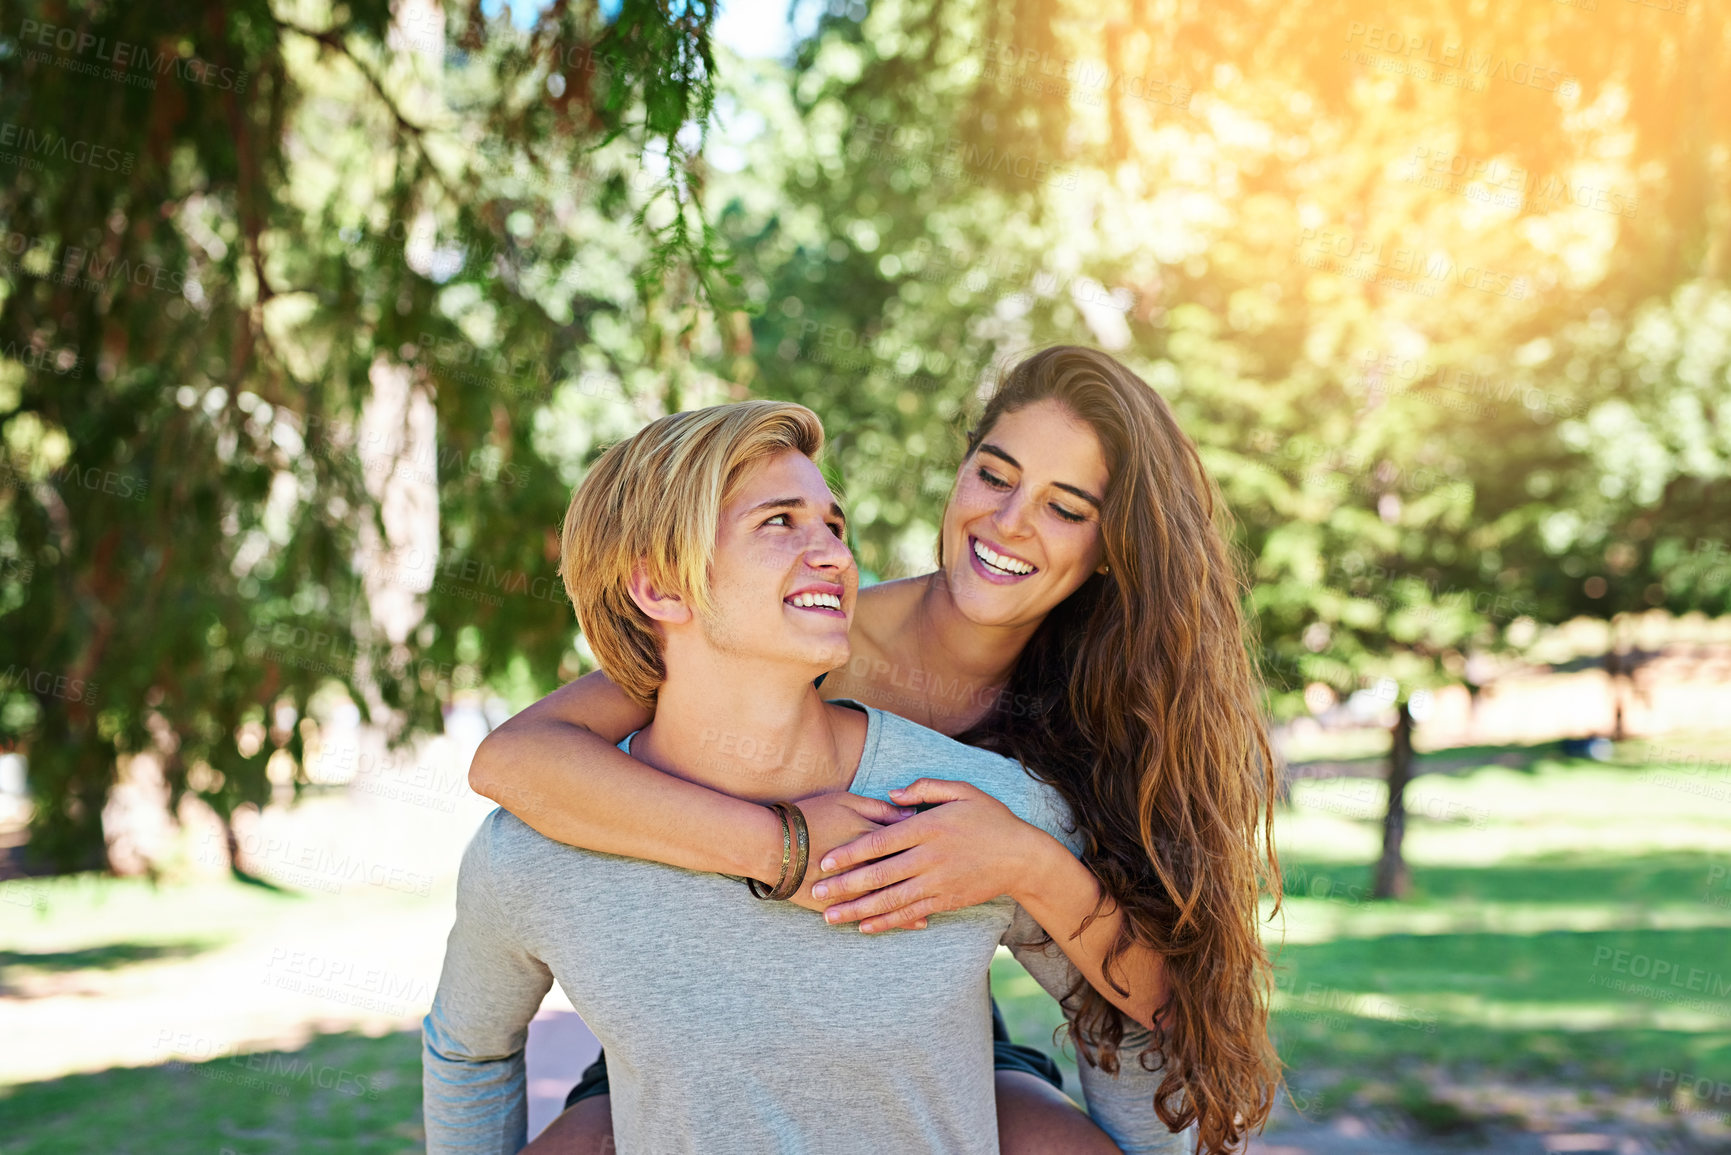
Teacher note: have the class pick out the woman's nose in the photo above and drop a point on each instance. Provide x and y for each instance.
(1012, 515)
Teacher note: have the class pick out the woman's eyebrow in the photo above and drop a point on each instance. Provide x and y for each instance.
(988, 447)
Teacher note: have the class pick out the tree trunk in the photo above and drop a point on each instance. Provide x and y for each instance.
(231, 839)
(1616, 668)
(1392, 879)
(137, 825)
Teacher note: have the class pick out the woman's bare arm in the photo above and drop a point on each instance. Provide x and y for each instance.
(556, 766)
(1059, 893)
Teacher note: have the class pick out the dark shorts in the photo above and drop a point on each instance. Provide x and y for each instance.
(1006, 1056)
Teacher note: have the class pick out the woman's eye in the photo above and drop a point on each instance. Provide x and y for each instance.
(993, 479)
(780, 517)
(1069, 514)
(836, 528)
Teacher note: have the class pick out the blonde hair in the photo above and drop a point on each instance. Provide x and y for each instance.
(654, 501)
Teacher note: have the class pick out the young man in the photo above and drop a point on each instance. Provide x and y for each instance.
(706, 562)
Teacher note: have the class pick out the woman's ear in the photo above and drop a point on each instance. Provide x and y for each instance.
(669, 608)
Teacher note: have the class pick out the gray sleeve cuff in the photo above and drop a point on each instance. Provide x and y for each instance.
(474, 1091)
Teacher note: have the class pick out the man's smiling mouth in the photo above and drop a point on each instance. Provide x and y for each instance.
(823, 598)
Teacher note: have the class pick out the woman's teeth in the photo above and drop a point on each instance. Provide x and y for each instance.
(998, 561)
(829, 601)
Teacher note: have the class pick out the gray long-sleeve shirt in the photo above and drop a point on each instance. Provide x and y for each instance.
(735, 1025)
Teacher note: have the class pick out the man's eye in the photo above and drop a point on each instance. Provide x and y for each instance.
(836, 528)
(781, 517)
(993, 479)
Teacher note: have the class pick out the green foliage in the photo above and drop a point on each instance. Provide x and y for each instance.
(1293, 235)
(287, 216)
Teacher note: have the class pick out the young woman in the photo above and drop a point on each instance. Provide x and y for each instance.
(1084, 619)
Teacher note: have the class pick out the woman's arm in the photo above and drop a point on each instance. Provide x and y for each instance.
(556, 766)
(1121, 1104)
(1059, 892)
(970, 850)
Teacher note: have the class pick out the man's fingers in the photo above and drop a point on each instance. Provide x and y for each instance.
(872, 844)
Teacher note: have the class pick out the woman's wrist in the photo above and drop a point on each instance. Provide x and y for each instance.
(1046, 873)
(758, 852)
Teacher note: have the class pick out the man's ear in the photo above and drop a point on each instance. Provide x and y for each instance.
(661, 607)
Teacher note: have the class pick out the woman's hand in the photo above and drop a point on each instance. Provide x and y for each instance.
(967, 851)
(837, 818)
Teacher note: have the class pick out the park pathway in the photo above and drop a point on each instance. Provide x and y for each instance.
(1351, 1135)
(560, 1046)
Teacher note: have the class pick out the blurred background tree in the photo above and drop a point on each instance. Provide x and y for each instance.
(301, 272)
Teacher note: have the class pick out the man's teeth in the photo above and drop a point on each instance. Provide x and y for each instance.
(807, 600)
(998, 561)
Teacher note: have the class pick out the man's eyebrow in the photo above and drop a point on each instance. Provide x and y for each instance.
(792, 503)
(988, 447)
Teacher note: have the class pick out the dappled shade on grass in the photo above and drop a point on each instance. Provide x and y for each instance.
(108, 956)
(1363, 1017)
(340, 1093)
(1641, 882)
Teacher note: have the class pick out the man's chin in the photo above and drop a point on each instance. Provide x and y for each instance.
(822, 657)
(818, 650)
(832, 657)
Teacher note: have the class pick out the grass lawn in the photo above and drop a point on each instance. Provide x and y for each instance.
(168, 977)
(341, 1093)
(1569, 935)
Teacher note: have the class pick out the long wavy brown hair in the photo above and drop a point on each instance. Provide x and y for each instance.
(1149, 722)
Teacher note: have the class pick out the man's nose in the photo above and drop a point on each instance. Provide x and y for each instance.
(827, 551)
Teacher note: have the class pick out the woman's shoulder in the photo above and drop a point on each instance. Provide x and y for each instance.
(880, 615)
(885, 608)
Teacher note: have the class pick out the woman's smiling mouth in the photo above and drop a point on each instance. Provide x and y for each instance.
(1001, 566)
